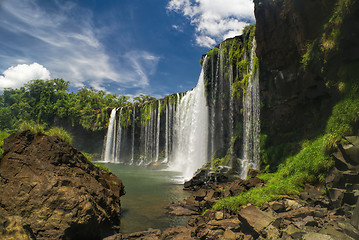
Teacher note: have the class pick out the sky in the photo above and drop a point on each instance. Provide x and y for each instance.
(124, 47)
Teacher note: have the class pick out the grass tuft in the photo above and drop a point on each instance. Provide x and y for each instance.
(61, 134)
(35, 128)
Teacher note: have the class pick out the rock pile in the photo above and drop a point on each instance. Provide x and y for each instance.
(309, 215)
(49, 190)
(343, 180)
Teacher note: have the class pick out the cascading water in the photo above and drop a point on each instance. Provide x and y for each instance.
(133, 135)
(118, 139)
(188, 131)
(158, 130)
(110, 143)
(190, 146)
(251, 120)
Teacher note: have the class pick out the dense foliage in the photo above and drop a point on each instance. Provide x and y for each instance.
(50, 103)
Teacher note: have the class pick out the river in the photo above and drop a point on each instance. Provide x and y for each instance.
(148, 192)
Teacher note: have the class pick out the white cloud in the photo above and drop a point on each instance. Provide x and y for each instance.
(66, 40)
(205, 41)
(215, 19)
(17, 76)
(143, 64)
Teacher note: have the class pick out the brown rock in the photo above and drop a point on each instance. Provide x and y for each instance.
(256, 219)
(56, 191)
(297, 213)
(181, 211)
(229, 235)
(232, 223)
(333, 232)
(177, 233)
(355, 218)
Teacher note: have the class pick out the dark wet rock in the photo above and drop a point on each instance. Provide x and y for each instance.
(336, 196)
(277, 206)
(253, 173)
(351, 150)
(49, 190)
(205, 177)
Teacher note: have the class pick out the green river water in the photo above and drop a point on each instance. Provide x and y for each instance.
(148, 192)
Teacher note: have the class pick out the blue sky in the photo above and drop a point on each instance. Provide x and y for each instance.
(125, 47)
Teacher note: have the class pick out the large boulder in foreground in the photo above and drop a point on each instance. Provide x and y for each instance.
(49, 190)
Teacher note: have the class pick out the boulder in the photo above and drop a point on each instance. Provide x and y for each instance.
(352, 149)
(333, 232)
(181, 211)
(177, 233)
(336, 196)
(255, 218)
(253, 173)
(49, 190)
(317, 236)
(355, 218)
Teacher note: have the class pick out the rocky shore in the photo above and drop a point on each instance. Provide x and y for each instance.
(49, 190)
(329, 211)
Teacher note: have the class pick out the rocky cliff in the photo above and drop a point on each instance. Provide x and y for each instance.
(308, 52)
(49, 190)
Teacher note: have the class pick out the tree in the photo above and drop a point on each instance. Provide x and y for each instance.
(143, 98)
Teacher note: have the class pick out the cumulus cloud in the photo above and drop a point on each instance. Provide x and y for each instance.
(215, 20)
(17, 76)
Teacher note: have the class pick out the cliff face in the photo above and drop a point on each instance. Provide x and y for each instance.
(49, 190)
(303, 48)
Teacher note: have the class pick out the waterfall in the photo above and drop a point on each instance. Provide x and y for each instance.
(190, 146)
(185, 131)
(167, 133)
(133, 135)
(110, 143)
(118, 138)
(158, 130)
(251, 120)
(231, 115)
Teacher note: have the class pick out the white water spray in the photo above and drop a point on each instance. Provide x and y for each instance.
(251, 120)
(110, 143)
(190, 146)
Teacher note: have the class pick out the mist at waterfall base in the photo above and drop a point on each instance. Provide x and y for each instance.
(148, 192)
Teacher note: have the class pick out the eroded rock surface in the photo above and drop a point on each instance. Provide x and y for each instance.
(49, 190)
